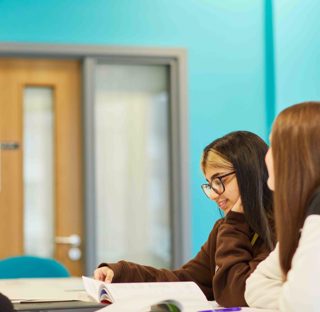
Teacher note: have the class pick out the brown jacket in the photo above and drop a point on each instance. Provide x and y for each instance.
(220, 268)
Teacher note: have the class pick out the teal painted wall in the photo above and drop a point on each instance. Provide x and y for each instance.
(225, 40)
(297, 51)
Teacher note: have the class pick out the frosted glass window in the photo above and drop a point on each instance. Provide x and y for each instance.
(132, 164)
(38, 171)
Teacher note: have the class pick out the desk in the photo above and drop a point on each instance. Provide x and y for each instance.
(60, 294)
(58, 290)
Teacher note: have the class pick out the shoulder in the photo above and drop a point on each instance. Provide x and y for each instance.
(218, 223)
(269, 267)
(233, 220)
(311, 229)
(264, 285)
(231, 217)
(215, 228)
(300, 289)
(234, 217)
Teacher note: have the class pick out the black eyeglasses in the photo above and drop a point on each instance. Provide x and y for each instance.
(216, 185)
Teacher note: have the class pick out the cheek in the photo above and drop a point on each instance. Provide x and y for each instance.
(233, 192)
(269, 163)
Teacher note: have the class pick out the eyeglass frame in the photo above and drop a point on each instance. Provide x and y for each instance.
(206, 185)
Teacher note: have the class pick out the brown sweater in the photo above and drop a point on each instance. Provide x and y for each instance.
(220, 268)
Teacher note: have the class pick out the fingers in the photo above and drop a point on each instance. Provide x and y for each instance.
(104, 274)
(98, 274)
(109, 276)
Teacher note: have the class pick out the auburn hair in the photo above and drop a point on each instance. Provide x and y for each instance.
(295, 141)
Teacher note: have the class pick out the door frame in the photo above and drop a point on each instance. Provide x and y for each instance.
(176, 60)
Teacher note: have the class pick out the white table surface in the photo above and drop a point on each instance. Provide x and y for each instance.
(41, 289)
(60, 289)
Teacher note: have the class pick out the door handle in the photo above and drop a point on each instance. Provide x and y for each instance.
(74, 241)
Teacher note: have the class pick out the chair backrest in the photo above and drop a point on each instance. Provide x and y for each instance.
(31, 267)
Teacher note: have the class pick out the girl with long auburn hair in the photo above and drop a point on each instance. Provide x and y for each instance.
(289, 278)
(236, 179)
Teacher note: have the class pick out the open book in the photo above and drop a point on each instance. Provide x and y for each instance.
(136, 297)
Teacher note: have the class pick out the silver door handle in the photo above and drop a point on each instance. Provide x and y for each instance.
(74, 240)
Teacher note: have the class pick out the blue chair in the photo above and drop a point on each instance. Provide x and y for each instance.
(31, 267)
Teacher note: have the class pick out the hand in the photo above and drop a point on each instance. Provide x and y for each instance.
(238, 206)
(104, 274)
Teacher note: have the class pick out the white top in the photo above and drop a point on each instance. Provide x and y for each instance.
(301, 291)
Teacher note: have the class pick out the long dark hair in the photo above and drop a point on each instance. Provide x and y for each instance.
(246, 151)
(295, 142)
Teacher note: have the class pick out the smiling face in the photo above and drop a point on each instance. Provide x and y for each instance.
(231, 194)
(214, 167)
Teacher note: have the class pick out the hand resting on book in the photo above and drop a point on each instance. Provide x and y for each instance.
(104, 274)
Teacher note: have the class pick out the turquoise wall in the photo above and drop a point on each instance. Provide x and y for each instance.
(225, 40)
(297, 51)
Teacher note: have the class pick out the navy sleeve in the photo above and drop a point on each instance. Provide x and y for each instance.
(5, 304)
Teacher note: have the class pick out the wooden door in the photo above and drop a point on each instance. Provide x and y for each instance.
(63, 77)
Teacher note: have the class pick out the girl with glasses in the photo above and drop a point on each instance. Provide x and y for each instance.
(288, 279)
(237, 181)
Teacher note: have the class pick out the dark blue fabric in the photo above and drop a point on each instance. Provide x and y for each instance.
(314, 206)
(5, 304)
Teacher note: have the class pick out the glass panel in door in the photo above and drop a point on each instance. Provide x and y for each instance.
(38, 167)
(132, 164)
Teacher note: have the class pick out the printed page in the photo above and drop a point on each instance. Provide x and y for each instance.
(93, 288)
(184, 290)
(141, 295)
